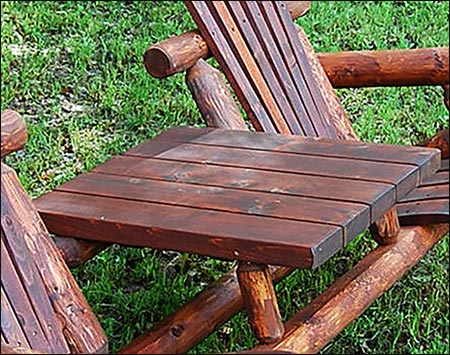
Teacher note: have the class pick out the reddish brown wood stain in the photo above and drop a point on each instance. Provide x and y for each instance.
(184, 195)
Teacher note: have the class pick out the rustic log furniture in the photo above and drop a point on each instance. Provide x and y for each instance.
(43, 309)
(256, 48)
(401, 248)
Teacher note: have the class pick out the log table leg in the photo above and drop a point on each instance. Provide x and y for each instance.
(260, 301)
(386, 229)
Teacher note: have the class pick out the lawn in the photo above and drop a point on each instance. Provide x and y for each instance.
(74, 70)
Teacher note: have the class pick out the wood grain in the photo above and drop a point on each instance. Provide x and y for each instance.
(42, 264)
(190, 229)
(180, 331)
(406, 176)
(386, 229)
(351, 217)
(380, 196)
(314, 326)
(413, 67)
(213, 98)
(13, 132)
(260, 302)
(179, 53)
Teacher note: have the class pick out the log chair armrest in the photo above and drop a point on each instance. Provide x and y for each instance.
(14, 132)
(346, 69)
(399, 67)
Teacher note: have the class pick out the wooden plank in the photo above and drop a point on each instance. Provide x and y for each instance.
(280, 68)
(377, 195)
(22, 308)
(440, 177)
(242, 14)
(301, 55)
(312, 117)
(404, 177)
(228, 27)
(444, 165)
(432, 192)
(218, 234)
(428, 203)
(426, 158)
(424, 212)
(337, 117)
(219, 44)
(12, 331)
(352, 218)
(169, 139)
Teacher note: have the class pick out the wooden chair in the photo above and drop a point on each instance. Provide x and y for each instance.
(270, 107)
(43, 309)
(276, 75)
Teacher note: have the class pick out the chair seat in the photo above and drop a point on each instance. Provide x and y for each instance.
(267, 198)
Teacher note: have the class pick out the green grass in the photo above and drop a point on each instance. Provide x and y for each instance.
(74, 71)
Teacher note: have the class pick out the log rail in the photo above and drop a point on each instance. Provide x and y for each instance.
(425, 66)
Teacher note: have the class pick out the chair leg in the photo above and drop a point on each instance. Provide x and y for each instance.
(386, 229)
(257, 290)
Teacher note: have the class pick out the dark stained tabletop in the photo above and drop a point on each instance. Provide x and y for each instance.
(267, 198)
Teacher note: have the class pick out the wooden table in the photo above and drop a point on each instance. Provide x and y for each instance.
(258, 197)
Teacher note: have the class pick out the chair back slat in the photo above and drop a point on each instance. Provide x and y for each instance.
(257, 47)
(232, 66)
(265, 58)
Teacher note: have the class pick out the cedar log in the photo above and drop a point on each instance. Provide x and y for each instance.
(14, 132)
(78, 323)
(324, 318)
(213, 98)
(400, 67)
(193, 322)
(385, 230)
(260, 302)
(410, 67)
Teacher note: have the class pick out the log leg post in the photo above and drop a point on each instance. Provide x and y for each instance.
(386, 229)
(260, 301)
(213, 98)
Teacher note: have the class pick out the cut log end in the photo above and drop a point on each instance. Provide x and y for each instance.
(14, 133)
(157, 62)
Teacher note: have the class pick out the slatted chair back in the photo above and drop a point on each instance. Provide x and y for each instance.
(271, 67)
(42, 307)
